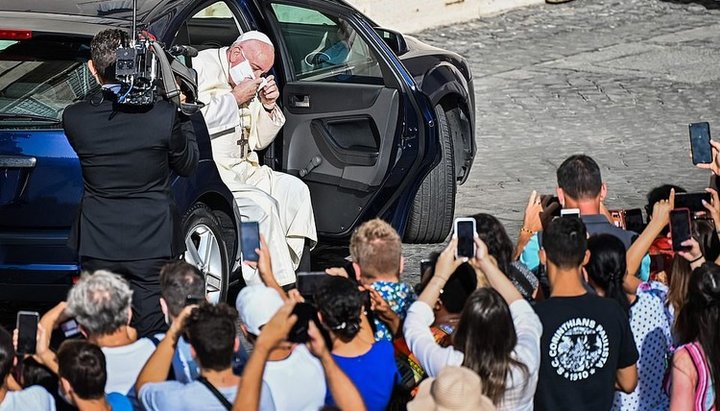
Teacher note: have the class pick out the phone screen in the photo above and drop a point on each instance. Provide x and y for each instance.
(466, 238)
(570, 212)
(692, 201)
(27, 325)
(70, 328)
(679, 228)
(250, 240)
(299, 332)
(424, 266)
(634, 220)
(700, 143)
(308, 284)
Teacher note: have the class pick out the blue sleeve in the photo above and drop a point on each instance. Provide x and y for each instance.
(644, 272)
(529, 255)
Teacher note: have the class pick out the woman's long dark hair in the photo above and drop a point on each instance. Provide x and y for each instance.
(493, 234)
(699, 318)
(679, 274)
(486, 336)
(607, 267)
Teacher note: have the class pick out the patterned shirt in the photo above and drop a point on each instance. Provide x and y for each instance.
(650, 324)
(399, 296)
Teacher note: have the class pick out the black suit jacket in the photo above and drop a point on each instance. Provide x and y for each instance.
(127, 153)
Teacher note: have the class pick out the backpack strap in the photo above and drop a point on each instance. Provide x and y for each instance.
(224, 401)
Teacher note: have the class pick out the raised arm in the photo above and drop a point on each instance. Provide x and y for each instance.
(497, 279)
(638, 249)
(157, 367)
(445, 266)
(272, 334)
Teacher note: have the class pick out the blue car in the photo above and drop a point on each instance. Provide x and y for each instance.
(378, 124)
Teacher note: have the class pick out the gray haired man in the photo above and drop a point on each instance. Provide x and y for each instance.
(101, 304)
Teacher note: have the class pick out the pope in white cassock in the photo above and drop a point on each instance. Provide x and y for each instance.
(242, 117)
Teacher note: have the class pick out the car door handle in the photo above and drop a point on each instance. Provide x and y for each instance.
(300, 101)
(17, 162)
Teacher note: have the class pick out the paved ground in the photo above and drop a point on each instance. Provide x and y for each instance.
(616, 79)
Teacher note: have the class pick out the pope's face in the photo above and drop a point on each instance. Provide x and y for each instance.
(259, 56)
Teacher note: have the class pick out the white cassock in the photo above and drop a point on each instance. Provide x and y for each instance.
(278, 201)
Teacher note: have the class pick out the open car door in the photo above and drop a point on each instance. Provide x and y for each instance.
(344, 110)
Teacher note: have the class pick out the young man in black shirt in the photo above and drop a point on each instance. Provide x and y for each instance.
(587, 348)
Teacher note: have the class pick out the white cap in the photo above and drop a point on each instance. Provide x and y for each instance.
(256, 305)
(254, 35)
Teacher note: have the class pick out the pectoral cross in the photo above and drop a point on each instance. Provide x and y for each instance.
(244, 142)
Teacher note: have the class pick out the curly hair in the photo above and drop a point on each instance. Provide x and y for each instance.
(100, 302)
(103, 49)
(377, 248)
(211, 330)
(339, 302)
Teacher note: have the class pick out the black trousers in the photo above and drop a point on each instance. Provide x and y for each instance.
(144, 279)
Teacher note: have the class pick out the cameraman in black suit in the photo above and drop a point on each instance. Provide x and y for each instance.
(128, 221)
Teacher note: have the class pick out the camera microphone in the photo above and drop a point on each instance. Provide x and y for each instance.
(180, 50)
(314, 162)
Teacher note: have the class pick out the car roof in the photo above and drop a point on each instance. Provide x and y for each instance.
(118, 9)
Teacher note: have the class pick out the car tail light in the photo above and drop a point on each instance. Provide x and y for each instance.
(6, 34)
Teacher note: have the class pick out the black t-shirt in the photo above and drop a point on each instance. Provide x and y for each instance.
(585, 340)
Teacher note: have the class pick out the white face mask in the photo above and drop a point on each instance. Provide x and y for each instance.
(241, 71)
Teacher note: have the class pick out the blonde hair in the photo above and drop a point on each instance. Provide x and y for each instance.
(377, 248)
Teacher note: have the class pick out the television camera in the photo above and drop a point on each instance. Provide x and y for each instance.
(147, 71)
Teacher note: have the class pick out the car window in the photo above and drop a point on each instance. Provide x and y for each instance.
(41, 76)
(214, 26)
(324, 47)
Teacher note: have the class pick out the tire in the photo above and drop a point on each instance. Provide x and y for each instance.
(206, 250)
(433, 208)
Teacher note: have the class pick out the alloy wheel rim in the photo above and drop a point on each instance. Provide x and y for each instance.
(203, 251)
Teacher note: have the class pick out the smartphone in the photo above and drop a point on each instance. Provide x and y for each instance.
(309, 283)
(692, 201)
(679, 228)
(634, 220)
(570, 212)
(700, 143)
(70, 328)
(425, 265)
(250, 240)
(618, 218)
(552, 199)
(27, 325)
(465, 232)
(194, 299)
(305, 313)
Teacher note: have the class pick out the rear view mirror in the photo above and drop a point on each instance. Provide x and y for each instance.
(394, 40)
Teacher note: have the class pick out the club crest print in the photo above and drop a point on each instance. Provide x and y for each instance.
(578, 348)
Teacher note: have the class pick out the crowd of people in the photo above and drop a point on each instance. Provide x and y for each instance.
(578, 313)
(582, 328)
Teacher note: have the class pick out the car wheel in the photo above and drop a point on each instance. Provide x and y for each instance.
(433, 208)
(206, 250)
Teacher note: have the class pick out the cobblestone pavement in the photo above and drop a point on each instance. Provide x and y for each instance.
(616, 79)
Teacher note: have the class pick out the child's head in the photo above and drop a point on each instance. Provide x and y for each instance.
(376, 250)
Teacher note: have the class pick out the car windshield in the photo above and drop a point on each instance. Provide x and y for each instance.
(39, 77)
